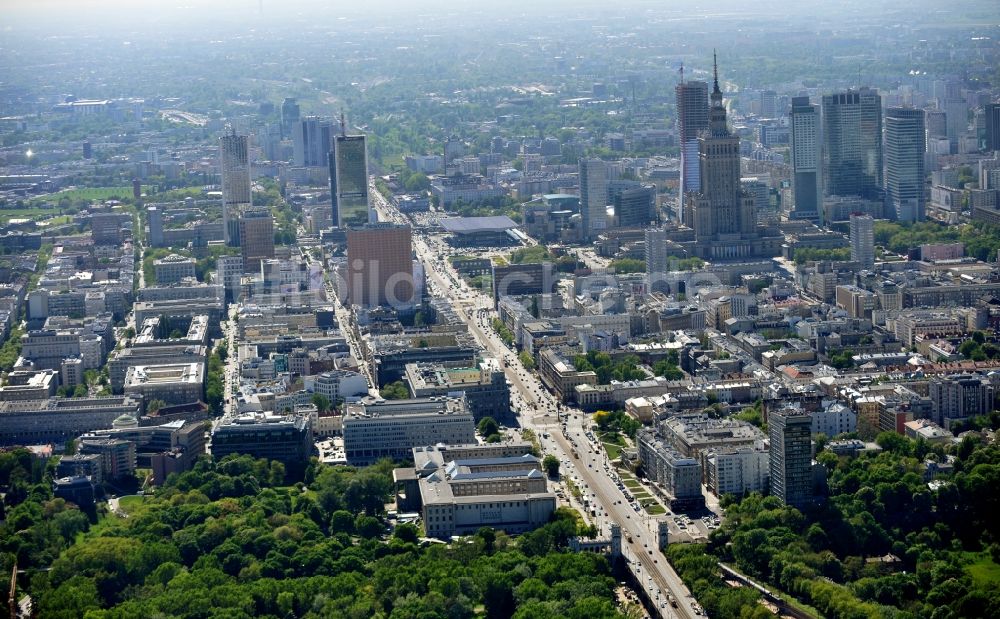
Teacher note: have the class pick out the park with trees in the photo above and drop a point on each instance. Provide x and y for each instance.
(237, 538)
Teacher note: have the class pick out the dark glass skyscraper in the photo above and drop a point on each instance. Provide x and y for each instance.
(349, 181)
(806, 160)
(234, 162)
(852, 144)
(905, 146)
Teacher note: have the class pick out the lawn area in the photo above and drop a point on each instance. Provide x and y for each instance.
(984, 571)
(93, 193)
(631, 484)
(131, 505)
(614, 451)
(35, 213)
(655, 509)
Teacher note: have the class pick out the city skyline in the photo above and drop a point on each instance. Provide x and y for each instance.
(523, 310)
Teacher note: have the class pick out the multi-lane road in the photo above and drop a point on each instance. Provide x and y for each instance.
(539, 412)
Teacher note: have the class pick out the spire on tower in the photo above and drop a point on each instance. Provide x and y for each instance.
(343, 125)
(682, 73)
(715, 71)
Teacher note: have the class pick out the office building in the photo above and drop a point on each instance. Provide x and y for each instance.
(656, 259)
(229, 275)
(256, 230)
(863, 240)
(991, 111)
(117, 456)
(80, 465)
(349, 181)
(339, 385)
(692, 119)
(172, 269)
(290, 114)
(30, 385)
(593, 197)
(287, 439)
(46, 348)
(768, 104)
(806, 160)
(109, 227)
(392, 428)
(380, 266)
(234, 159)
(312, 139)
(57, 420)
(485, 387)
(154, 217)
(167, 448)
(389, 354)
(904, 163)
(523, 279)
(723, 215)
(956, 113)
(791, 456)
(852, 144)
(173, 384)
(458, 495)
(635, 207)
(959, 397)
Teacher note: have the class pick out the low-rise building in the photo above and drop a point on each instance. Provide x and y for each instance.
(180, 383)
(834, 419)
(485, 387)
(117, 456)
(171, 447)
(392, 428)
(338, 385)
(286, 439)
(679, 475)
(560, 375)
(29, 385)
(57, 420)
(173, 268)
(736, 471)
(690, 434)
(927, 430)
(467, 487)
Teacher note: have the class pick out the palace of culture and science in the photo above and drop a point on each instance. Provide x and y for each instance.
(722, 215)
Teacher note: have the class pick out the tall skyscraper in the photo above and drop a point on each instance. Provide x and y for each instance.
(791, 456)
(806, 159)
(992, 114)
(863, 240)
(692, 119)
(722, 214)
(593, 196)
(155, 218)
(768, 104)
(349, 181)
(635, 207)
(312, 140)
(234, 158)
(380, 266)
(256, 227)
(956, 112)
(289, 115)
(905, 146)
(852, 144)
(656, 259)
